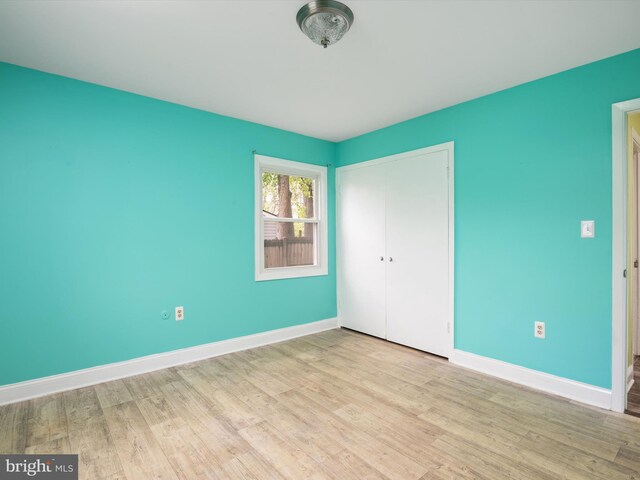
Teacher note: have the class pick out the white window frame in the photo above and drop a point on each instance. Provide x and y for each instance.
(288, 167)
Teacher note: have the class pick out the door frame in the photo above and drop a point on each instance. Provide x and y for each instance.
(619, 197)
(449, 148)
(635, 141)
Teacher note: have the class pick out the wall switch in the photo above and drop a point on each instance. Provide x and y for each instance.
(179, 314)
(539, 331)
(588, 228)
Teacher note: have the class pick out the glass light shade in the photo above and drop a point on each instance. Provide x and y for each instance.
(325, 22)
(325, 28)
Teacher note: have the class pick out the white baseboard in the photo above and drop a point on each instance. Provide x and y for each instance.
(581, 392)
(630, 379)
(17, 392)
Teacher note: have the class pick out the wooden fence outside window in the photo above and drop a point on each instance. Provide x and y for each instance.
(288, 252)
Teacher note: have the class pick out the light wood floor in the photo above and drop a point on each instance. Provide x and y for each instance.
(332, 405)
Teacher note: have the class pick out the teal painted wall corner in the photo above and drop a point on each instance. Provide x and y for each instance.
(115, 207)
(530, 163)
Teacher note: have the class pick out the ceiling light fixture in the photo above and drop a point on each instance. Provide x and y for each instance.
(325, 21)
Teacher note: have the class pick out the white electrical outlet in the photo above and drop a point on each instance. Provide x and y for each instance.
(179, 314)
(539, 330)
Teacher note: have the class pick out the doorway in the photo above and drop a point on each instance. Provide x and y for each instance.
(625, 308)
(622, 269)
(633, 290)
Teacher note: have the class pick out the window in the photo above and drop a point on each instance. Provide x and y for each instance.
(291, 226)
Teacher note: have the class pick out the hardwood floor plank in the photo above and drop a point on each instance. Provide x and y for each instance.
(251, 466)
(402, 437)
(300, 350)
(291, 462)
(115, 476)
(81, 406)
(56, 446)
(97, 453)
(14, 419)
(139, 451)
(581, 460)
(382, 387)
(113, 393)
(267, 379)
(89, 435)
(337, 404)
(304, 433)
(216, 432)
(629, 457)
(348, 466)
(454, 470)
(47, 420)
(390, 462)
(187, 454)
(141, 386)
(489, 463)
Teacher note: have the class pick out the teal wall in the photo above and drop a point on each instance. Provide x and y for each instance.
(530, 163)
(114, 207)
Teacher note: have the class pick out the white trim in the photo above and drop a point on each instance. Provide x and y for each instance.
(451, 245)
(635, 341)
(449, 148)
(619, 174)
(17, 392)
(319, 173)
(630, 379)
(338, 252)
(578, 391)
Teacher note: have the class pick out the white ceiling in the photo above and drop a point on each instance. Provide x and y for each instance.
(248, 59)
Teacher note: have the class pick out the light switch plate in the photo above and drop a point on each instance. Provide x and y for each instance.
(587, 228)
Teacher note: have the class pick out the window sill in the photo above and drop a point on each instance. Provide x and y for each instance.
(291, 272)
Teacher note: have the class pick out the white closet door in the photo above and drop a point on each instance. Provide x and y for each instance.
(362, 260)
(417, 247)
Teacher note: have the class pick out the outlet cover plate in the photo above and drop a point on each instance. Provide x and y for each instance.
(539, 330)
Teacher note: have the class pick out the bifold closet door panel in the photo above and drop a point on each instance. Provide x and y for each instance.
(362, 259)
(417, 247)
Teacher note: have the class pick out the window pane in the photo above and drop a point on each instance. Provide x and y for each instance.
(289, 244)
(287, 196)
